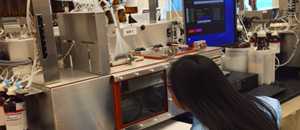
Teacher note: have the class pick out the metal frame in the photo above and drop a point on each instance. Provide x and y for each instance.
(153, 10)
(89, 32)
(49, 63)
(81, 102)
(139, 124)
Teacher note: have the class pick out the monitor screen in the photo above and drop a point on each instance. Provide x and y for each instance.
(210, 20)
(260, 5)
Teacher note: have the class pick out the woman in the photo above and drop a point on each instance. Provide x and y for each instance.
(200, 87)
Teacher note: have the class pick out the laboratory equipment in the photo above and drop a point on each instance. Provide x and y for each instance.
(262, 62)
(133, 97)
(275, 42)
(243, 81)
(17, 45)
(210, 20)
(15, 112)
(108, 11)
(13, 8)
(175, 33)
(260, 5)
(62, 5)
(121, 14)
(262, 42)
(90, 53)
(236, 59)
(131, 7)
(79, 101)
(153, 5)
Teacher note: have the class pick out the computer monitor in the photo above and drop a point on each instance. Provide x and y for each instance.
(261, 5)
(211, 20)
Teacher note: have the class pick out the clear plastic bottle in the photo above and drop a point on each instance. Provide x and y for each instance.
(275, 43)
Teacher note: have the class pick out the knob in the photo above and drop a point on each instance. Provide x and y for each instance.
(121, 78)
(166, 66)
(141, 125)
(137, 74)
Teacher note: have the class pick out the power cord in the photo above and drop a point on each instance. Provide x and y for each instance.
(293, 52)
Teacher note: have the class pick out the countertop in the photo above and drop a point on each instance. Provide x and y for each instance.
(292, 87)
(171, 125)
(151, 62)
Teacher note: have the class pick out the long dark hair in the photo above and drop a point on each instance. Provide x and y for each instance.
(200, 86)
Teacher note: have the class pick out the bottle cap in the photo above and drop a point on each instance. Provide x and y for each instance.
(2, 88)
(131, 3)
(11, 91)
(261, 34)
(275, 33)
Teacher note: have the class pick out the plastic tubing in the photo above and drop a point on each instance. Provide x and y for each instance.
(14, 63)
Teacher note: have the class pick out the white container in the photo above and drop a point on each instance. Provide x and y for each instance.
(18, 50)
(262, 62)
(236, 59)
(275, 46)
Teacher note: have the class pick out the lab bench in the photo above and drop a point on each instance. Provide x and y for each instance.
(62, 110)
(290, 104)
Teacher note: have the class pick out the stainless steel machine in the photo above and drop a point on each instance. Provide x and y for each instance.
(86, 95)
(88, 31)
(141, 97)
(80, 101)
(86, 92)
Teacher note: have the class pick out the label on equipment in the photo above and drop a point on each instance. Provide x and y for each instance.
(130, 31)
(17, 120)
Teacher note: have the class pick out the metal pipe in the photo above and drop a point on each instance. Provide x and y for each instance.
(153, 4)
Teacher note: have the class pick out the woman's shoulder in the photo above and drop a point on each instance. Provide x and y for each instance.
(197, 125)
(270, 102)
(274, 105)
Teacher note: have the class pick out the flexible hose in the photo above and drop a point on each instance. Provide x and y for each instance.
(244, 28)
(1, 32)
(28, 18)
(293, 52)
(15, 63)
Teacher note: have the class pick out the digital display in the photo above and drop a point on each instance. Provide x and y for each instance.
(206, 18)
(210, 20)
(261, 5)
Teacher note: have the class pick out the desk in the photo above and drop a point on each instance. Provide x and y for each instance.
(291, 114)
(171, 125)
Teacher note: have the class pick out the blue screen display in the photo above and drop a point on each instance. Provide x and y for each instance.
(210, 20)
(262, 5)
